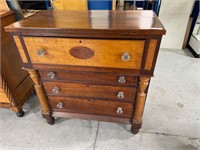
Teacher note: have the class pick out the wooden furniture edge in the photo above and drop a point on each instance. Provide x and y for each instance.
(139, 104)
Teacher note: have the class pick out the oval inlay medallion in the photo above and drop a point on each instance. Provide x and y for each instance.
(81, 52)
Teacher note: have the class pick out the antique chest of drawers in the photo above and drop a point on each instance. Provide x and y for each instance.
(90, 64)
(15, 83)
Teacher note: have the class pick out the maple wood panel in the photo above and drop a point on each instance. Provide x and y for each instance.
(150, 54)
(3, 96)
(107, 53)
(70, 4)
(20, 49)
(3, 5)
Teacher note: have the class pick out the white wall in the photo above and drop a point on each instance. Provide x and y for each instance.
(174, 14)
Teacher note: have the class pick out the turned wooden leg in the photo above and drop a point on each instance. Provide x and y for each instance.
(139, 105)
(46, 112)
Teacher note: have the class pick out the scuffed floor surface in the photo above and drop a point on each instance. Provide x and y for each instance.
(171, 118)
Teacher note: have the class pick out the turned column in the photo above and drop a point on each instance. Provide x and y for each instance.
(139, 104)
(46, 112)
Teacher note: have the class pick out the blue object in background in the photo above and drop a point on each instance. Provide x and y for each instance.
(48, 5)
(99, 4)
(154, 5)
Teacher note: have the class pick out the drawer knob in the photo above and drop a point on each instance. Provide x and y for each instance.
(119, 111)
(120, 95)
(121, 79)
(51, 75)
(55, 90)
(41, 52)
(125, 56)
(60, 105)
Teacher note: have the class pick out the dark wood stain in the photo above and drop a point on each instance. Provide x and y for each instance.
(81, 52)
(88, 77)
(89, 106)
(90, 23)
(90, 91)
(92, 116)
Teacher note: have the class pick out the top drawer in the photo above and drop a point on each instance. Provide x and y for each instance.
(86, 52)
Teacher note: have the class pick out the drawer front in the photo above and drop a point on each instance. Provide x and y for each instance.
(86, 52)
(90, 91)
(89, 77)
(95, 107)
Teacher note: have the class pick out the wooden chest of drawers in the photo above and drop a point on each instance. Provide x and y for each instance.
(90, 64)
(15, 83)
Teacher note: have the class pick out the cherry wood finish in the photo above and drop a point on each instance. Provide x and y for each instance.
(90, 106)
(84, 54)
(90, 91)
(15, 84)
(104, 24)
(92, 117)
(88, 77)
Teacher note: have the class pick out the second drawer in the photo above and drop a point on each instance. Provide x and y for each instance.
(89, 77)
(90, 91)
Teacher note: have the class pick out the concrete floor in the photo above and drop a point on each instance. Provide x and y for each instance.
(171, 118)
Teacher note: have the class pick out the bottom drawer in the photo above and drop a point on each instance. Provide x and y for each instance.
(88, 106)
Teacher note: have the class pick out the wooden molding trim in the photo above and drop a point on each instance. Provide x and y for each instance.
(20, 48)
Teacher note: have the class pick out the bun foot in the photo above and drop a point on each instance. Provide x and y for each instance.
(136, 128)
(20, 113)
(50, 120)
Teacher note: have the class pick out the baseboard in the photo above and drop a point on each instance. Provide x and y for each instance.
(193, 52)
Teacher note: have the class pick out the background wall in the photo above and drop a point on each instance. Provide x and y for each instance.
(174, 14)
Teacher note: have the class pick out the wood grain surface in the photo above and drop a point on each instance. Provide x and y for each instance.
(6, 19)
(70, 4)
(88, 106)
(20, 49)
(90, 91)
(3, 5)
(107, 53)
(3, 97)
(89, 77)
(104, 24)
(150, 54)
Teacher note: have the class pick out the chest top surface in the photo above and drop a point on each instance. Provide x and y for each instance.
(90, 22)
